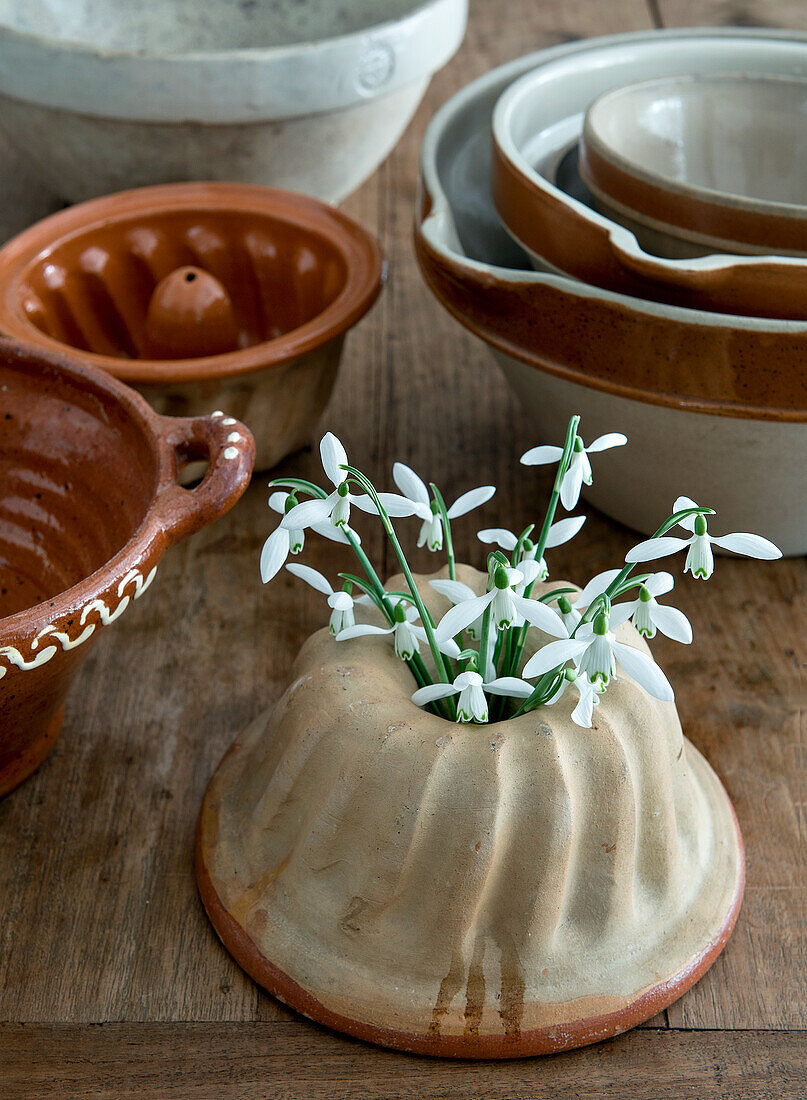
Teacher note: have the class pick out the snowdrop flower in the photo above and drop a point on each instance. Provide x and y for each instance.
(559, 533)
(406, 636)
(426, 509)
(595, 651)
(588, 691)
(700, 561)
(335, 508)
(284, 541)
(570, 609)
(648, 615)
(457, 592)
(340, 603)
(472, 706)
(506, 606)
(579, 468)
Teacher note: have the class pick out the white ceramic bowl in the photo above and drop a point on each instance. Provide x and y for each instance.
(703, 162)
(542, 112)
(719, 402)
(306, 96)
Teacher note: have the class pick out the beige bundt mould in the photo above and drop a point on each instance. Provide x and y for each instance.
(466, 890)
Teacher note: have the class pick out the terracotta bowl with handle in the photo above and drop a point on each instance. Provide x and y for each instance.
(89, 503)
(202, 296)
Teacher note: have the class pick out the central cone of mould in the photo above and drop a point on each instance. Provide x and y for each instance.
(190, 315)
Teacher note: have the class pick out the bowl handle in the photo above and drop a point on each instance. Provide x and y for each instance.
(230, 450)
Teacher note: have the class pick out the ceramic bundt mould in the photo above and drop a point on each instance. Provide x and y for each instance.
(474, 891)
(89, 503)
(202, 296)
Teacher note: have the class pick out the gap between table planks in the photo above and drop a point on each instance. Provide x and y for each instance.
(100, 922)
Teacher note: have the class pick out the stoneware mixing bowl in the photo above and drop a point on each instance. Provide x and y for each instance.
(201, 295)
(703, 163)
(307, 95)
(89, 503)
(719, 401)
(542, 113)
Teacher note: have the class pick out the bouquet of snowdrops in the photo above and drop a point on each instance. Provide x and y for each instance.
(478, 669)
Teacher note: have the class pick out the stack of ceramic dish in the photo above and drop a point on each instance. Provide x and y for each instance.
(624, 221)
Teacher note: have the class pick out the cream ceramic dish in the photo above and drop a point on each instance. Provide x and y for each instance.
(703, 163)
(467, 891)
(719, 401)
(306, 96)
(543, 110)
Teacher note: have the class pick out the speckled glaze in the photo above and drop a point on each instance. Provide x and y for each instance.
(245, 293)
(721, 401)
(599, 245)
(307, 95)
(466, 891)
(89, 503)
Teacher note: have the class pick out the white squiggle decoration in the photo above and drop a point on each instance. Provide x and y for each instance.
(51, 634)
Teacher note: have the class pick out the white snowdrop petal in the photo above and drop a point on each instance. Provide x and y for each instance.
(340, 601)
(333, 456)
(397, 506)
(365, 503)
(277, 502)
(274, 553)
(672, 622)
(621, 612)
(538, 614)
(410, 484)
(583, 713)
(571, 485)
(680, 505)
(510, 685)
(540, 456)
(530, 570)
(335, 534)
(644, 671)
(361, 630)
(431, 692)
(563, 530)
(312, 577)
(456, 591)
(552, 655)
(457, 618)
(308, 513)
(651, 549)
(595, 587)
(659, 583)
(506, 539)
(474, 498)
(752, 546)
(605, 442)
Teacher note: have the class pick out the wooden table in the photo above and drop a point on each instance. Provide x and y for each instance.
(112, 982)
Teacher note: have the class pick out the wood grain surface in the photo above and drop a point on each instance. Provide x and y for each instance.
(112, 982)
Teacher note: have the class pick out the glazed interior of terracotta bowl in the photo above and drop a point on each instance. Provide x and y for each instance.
(185, 25)
(77, 476)
(93, 290)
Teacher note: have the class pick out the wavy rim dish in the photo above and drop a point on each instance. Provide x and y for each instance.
(233, 84)
(364, 261)
(450, 273)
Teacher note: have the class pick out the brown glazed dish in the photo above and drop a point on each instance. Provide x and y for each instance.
(550, 226)
(90, 502)
(202, 296)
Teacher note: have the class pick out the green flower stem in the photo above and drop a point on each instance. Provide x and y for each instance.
(425, 618)
(441, 504)
(568, 447)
